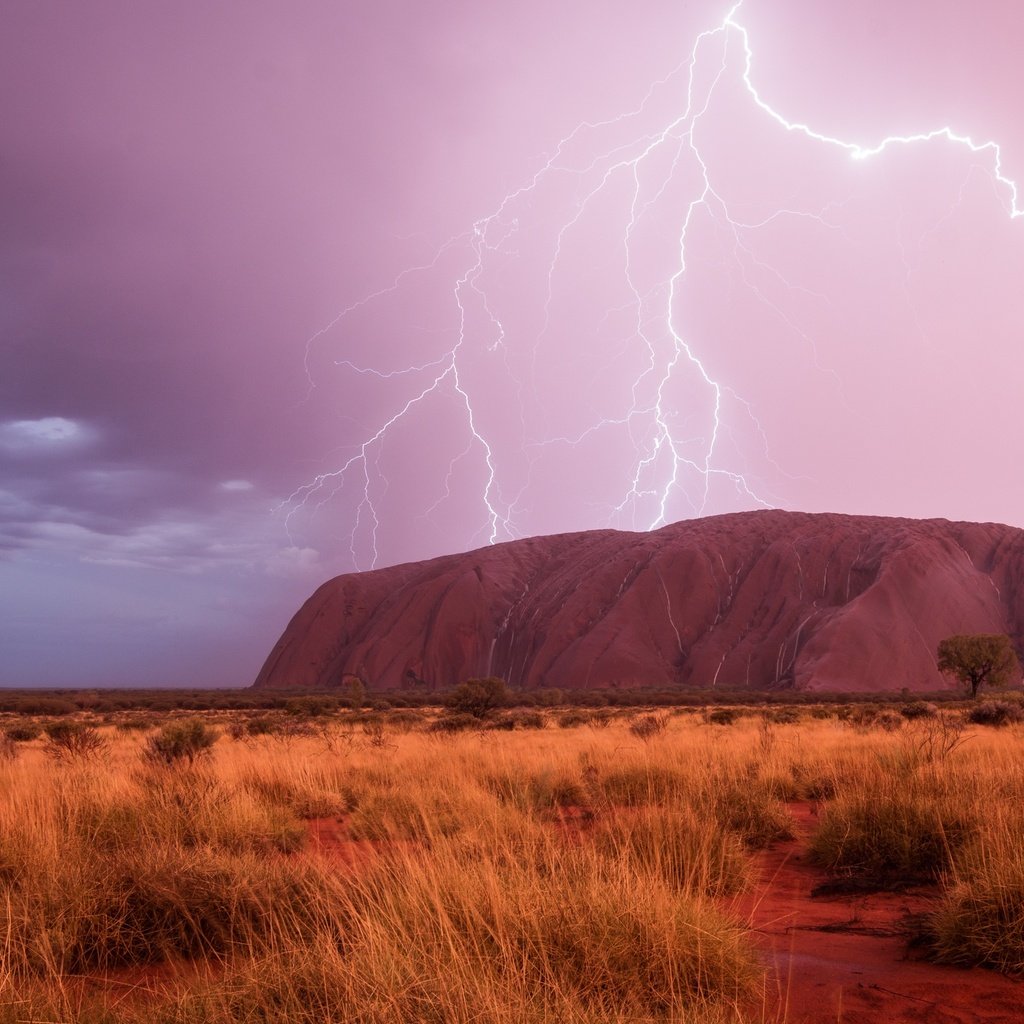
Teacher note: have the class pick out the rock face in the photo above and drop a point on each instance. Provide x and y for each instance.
(756, 600)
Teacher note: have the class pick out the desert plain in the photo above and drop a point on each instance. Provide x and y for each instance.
(802, 863)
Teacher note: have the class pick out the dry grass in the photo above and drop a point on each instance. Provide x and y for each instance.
(479, 903)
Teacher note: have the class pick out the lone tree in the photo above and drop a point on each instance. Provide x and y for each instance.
(980, 659)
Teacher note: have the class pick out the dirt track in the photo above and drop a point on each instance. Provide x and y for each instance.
(846, 958)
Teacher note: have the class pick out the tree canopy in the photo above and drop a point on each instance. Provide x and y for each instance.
(979, 659)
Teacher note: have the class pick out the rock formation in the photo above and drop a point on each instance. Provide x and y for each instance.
(755, 600)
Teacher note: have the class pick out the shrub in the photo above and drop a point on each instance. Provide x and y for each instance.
(403, 720)
(478, 697)
(571, 719)
(995, 713)
(549, 698)
(722, 716)
(519, 720)
(180, 742)
(646, 727)
(311, 707)
(134, 724)
(890, 721)
(73, 740)
(375, 733)
(22, 733)
(261, 726)
(355, 692)
(918, 709)
(47, 706)
(453, 723)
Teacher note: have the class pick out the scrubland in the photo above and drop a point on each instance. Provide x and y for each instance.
(367, 868)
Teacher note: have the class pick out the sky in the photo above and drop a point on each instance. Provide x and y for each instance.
(292, 290)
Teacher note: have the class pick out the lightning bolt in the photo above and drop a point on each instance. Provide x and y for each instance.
(678, 458)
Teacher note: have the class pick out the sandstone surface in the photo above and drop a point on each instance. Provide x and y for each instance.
(754, 600)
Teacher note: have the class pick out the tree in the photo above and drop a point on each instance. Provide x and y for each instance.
(980, 659)
(477, 697)
(355, 691)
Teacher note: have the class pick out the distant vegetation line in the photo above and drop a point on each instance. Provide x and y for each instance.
(71, 701)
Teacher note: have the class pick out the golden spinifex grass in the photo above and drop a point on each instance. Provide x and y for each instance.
(980, 919)
(474, 900)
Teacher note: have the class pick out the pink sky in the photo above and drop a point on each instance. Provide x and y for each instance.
(192, 195)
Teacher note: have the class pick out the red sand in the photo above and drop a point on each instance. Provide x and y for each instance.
(845, 959)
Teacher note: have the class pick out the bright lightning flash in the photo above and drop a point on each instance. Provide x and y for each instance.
(675, 461)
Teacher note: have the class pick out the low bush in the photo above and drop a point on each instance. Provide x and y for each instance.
(402, 720)
(722, 716)
(996, 713)
(311, 707)
(890, 721)
(23, 732)
(454, 723)
(478, 697)
(520, 719)
(647, 727)
(134, 724)
(73, 741)
(918, 709)
(573, 719)
(181, 742)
